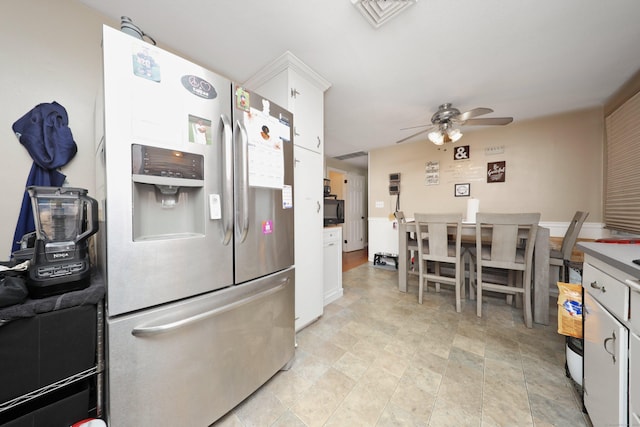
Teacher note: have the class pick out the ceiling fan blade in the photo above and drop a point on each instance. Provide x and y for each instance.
(489, 121)
(416, 127)
(473, 113)
(411, 136)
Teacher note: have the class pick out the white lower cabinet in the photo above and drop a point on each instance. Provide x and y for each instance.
(308, 221)
(634, 380)
(332, 264)
(605, 365)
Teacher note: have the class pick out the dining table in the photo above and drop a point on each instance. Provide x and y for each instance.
(540, 285)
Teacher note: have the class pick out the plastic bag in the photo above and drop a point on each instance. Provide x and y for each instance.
(13, 289)
(570, 309)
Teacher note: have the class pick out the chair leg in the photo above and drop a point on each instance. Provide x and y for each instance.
(472, 279)
(458, 303)
(510, 279)
(437, 271)
(519, 284)
(420, 281)
(528, 318)
(479, 293)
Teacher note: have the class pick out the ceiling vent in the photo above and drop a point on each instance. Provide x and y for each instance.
(377, 12)
(351, 155)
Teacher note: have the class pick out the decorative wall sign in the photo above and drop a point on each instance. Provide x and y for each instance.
(432, 173)
(496, 171)
(462, 190)
(462, 153)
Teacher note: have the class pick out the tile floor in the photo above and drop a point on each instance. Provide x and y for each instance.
(378, 358)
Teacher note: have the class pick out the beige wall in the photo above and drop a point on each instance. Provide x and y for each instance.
(49, 51)
(554, 166)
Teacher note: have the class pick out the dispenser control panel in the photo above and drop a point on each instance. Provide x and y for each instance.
(146, 160)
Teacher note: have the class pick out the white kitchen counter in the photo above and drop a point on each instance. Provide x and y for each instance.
(617, 255)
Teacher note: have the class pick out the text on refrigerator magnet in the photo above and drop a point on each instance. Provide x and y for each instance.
(199, 87)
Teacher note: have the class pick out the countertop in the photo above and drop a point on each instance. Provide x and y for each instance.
(617, 255)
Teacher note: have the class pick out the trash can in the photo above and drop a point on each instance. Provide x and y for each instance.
(574, 354)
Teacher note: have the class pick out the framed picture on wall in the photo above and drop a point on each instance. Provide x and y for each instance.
(462, 190)
(496, 172)
(462, 152)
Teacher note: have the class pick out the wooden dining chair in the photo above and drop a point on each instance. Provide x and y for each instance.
(412, 243)
(561, 258)
(505, 242)
(439, 245)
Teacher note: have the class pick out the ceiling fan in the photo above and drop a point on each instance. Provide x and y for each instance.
(446, 122)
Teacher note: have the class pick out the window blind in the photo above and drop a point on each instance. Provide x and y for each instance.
(622, 184)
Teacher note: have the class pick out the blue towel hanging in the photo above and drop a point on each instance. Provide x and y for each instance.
(44, 132)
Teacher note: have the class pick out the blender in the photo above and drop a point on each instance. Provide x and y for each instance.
(64, 218)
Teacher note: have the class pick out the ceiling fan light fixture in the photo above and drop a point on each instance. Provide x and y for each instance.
(437, 137)
(454, 134)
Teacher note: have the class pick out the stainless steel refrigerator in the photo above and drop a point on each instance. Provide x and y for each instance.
(195, 183)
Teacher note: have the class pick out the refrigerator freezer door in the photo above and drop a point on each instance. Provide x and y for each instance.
(189, 363)
(164, 207)
(263, 148)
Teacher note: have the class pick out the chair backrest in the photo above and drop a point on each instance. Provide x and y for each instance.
(505, 233)
(438, 232)
(573, 231)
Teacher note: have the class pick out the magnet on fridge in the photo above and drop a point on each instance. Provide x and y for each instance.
(215, 210)
(242, 99)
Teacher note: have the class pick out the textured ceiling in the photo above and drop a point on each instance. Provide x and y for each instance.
(526, 58)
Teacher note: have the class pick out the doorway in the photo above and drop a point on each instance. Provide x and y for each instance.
(351, 188)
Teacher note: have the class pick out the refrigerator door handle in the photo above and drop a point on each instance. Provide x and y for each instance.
(242, 223)
(149, 331)
(227, 179)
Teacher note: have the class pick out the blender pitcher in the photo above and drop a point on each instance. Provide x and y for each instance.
(64, 217)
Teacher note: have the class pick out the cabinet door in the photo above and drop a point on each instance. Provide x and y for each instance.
(605, 365)
(634, 380)
(308, 235)
(332, 261)
(308, 113)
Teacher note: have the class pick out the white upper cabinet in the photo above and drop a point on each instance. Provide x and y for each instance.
(290, 83)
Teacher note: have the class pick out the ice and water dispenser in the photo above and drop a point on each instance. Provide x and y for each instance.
(168, 200)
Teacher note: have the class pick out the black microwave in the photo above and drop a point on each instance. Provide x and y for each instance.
(333, 211)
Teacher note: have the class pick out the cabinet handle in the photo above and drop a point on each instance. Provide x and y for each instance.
(318, 146)
(295, 131)
(596, 285)
(318, 207)
(294, 92)
(606, 341)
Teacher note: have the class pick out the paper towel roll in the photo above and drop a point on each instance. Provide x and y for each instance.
(472, 209)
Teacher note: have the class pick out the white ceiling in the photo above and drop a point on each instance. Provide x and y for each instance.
(525, 58)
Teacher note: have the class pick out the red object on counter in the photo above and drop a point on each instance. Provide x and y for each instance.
(620, 241)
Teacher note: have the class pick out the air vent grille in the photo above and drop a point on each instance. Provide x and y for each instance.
(377, 12)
